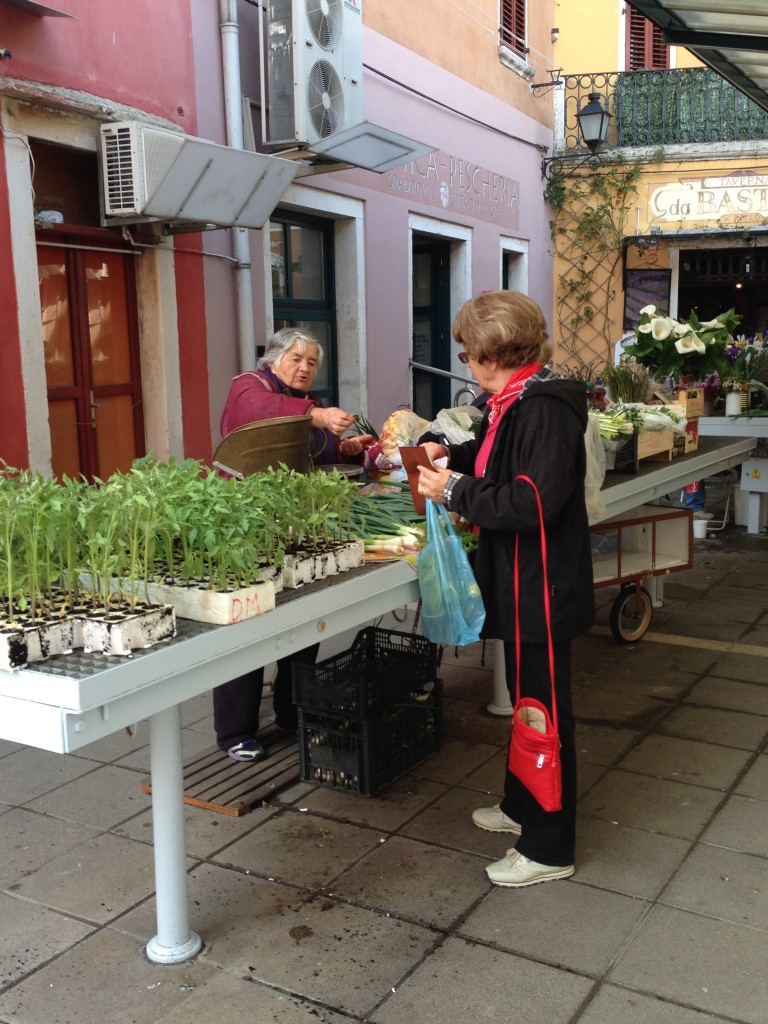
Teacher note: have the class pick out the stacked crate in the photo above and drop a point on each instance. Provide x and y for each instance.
(370, 714)
(690, 405)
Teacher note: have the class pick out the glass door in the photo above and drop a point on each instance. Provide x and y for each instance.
(431, 326)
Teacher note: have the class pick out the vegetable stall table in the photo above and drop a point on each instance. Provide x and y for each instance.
(72, 700)
(755, 427)
(623, 492)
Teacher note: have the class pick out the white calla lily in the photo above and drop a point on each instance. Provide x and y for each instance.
(650, 310)
(682, 329)
(661, 328)
(690, 345)
(644, 328)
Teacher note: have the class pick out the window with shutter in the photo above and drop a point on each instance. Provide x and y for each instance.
(646, 49)
(512, 26)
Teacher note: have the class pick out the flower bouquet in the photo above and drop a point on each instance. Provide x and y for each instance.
(744, 361)
(682, 348)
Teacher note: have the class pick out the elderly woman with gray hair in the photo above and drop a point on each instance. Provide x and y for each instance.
(279, 386)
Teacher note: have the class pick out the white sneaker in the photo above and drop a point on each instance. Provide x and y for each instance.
(493, 819)
(514, 871)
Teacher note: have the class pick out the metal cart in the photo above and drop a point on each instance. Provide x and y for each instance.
(629, 549)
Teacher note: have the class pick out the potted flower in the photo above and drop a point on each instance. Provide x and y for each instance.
(684, 349)
(744, 361)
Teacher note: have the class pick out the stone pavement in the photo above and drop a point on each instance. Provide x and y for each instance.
(331, 907)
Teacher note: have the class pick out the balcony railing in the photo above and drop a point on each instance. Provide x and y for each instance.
(663, 108)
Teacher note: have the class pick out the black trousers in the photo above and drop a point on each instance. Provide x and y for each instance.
(236, 704)
(547, 837)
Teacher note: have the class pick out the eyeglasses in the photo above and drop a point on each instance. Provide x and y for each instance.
(464, 357)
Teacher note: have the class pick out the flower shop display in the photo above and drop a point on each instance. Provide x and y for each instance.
(687, 350)
(745, 360)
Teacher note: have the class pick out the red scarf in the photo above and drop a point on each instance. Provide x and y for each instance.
(511, 390)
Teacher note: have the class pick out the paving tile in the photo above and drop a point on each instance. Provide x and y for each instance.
(118, 745)
(448, 822)
(103, 798)
(302, 849)
(530, 921)
(617, 1006)
(602, 744)
(740, 825)
(659, 805)
(97, 881)
(207, 832)
(29, 840)
(626, 860)
(456, 761)
(588, 776)
(105, 978)
(193, 741)
(387, 810)
(701, 962)
(463, 982)
(246, 1000)
(28, 773)
(745, 668)
(415, 881)
(489, 777)
(316, 947)
(8, 747)
(31, 935)
(711, 725)
(727, 693)
(755, 782)
(724, 884)
(469, 720)
(700, 764)
(622, 707)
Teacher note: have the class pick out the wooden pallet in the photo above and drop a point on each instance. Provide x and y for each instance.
(217, 783)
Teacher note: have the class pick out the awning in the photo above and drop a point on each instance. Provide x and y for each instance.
(729, 36)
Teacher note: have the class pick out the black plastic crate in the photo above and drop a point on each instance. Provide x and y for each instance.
(367, 755)
(382, 667)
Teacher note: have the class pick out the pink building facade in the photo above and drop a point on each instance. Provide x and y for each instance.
(377, 263)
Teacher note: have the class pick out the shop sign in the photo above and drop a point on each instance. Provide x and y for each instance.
(734, 199)
(457, 186)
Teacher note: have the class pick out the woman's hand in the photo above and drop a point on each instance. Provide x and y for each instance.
(434, 451)
(333, 419)
(432, 482)
(355, 445)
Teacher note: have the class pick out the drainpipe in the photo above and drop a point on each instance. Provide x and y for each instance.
(230, 58)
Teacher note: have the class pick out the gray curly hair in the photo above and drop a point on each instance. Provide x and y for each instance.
(284, 339)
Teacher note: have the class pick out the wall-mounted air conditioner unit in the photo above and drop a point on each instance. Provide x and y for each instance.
(153, 174)
(314, 70)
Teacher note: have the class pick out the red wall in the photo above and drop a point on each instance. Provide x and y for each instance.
(137, 53)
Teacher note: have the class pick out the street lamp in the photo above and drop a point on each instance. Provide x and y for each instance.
(593, 121)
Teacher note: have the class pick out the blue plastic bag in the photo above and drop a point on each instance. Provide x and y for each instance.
(452, 611)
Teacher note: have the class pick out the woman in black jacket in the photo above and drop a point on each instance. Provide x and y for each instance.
(534, 427)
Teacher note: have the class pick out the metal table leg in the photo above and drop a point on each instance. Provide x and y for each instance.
(501, 704)
(174, 941)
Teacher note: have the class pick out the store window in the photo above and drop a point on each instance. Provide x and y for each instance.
(303, 292)
(646, 49)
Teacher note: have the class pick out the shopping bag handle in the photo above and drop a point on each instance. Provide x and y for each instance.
(547, 612)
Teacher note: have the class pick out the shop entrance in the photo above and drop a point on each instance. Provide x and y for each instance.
(713, 280)
(431, 325)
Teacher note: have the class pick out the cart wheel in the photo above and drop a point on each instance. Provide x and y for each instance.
(631, 614)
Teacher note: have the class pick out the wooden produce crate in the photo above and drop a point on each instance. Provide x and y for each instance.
(689, 441)
(692, 402)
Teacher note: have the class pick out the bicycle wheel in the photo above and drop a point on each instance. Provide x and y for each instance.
(631, 614)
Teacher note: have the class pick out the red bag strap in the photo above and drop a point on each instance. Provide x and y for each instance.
(547, 613)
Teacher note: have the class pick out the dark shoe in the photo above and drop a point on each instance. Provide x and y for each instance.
(248, 750)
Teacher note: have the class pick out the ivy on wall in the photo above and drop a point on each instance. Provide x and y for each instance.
(592, 207)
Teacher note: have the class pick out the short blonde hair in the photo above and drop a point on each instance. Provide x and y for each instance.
(505, 326)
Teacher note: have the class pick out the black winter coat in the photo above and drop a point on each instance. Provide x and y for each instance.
(540, 436)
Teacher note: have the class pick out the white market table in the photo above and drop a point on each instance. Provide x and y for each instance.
(70, 701)
(742, 426)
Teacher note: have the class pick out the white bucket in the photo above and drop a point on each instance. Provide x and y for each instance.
(700, 529)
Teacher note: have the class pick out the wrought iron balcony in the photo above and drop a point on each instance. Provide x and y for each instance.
(662, 108)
